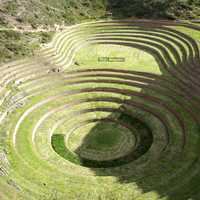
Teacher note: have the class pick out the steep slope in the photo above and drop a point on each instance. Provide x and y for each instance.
(50, 12)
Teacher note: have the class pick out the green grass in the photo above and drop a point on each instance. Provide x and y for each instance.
(191, 32)
(135, 59)
(58, 143)
(103, 136)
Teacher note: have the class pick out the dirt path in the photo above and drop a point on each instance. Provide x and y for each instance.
(31, 30)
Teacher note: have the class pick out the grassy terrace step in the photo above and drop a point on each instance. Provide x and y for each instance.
(127, 130)
(181, 72)
(132, 27)
(133, 84)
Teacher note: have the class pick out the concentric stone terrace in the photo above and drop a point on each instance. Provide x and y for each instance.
(76, 128)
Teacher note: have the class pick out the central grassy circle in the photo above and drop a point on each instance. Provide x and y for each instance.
(106, 142)
(104, 136)
(101, 141)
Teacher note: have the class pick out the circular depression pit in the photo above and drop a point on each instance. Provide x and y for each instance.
(104, 143)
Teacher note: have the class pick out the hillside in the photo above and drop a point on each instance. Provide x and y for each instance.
(50, 12)
(24, 16)
(156, 9)
(28, 17)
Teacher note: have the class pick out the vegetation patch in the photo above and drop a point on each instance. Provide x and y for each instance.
(135, 59)
(16, 45)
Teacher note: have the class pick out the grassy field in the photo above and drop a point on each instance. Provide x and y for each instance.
(136, 60)
(101, 138)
